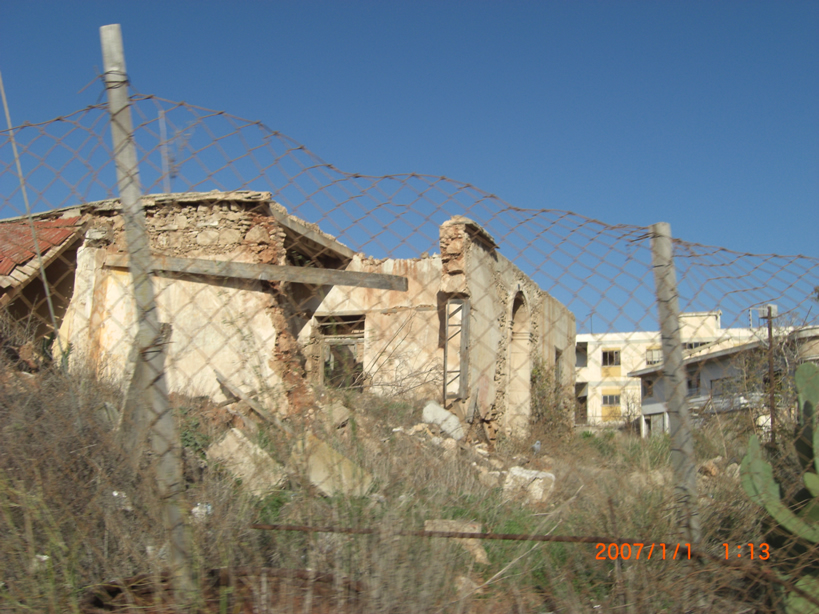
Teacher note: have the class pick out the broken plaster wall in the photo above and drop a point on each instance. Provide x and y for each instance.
(401, 350)
(234, 326)
(513, 323)
(403, 342)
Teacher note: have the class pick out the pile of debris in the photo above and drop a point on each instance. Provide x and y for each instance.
(311, 459)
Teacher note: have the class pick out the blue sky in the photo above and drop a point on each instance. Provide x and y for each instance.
(702, 114)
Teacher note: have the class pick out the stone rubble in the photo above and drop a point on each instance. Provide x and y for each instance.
(533, 486)
(260, 474)
(473, 546)
(446, 420)
(313, 460)
(329, 471)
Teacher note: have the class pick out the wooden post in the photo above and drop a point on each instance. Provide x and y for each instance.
(771, 388)
(682, 442)
(146, 404)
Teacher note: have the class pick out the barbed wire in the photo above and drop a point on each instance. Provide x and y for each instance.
(588, 265)
(286, 288)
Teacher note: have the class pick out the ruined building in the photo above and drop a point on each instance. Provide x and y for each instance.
(270, 305)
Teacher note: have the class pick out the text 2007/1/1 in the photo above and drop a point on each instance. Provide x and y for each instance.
(635, 551)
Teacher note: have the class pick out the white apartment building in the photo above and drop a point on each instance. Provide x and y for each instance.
(606, 395)
(718, 380)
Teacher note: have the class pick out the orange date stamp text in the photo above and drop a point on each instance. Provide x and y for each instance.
(658, 550)
(639, 551)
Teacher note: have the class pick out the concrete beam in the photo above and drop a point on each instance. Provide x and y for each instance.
(268, 272)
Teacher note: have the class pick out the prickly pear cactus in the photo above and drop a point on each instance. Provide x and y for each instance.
(759, 483)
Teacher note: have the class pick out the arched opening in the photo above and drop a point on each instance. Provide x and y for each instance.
(519, 391)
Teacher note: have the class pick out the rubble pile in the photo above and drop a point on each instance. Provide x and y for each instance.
(311, 458)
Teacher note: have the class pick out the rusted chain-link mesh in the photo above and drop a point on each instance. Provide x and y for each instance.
(309, 317)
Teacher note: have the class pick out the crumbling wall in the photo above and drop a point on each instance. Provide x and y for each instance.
(453, 239)
(233, 326)
(401, 342)
(404, 341)
(212, 231)
(474, 268)
(559, 335)
(249, 332)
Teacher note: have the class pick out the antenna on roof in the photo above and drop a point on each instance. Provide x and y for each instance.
(762, 312)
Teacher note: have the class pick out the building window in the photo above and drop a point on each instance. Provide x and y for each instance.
(648, 388)
(581, 410)
(693, 385)
(581, 354)
(611, 358)
(342, 351)
(558, 368)
(654, 356)
(456, 348)
(611, 399)
(693, 345)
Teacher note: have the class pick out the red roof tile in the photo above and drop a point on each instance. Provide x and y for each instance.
(17, 245)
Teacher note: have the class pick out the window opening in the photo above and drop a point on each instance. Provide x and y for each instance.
(581, 410)
(654, 356)
(558, 368)
(456, 330)
(611, 358)
(693, 385)
(342, 351)
(581, 354)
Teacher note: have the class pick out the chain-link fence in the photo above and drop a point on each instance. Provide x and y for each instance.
(223, 330)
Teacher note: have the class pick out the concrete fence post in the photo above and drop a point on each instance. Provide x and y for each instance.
(682, 441)
(146, 410)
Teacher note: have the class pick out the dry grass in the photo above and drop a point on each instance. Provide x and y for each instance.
(62, 530)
